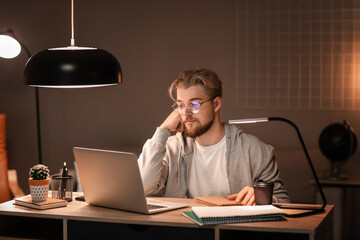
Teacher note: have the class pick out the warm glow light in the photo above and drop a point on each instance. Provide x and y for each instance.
(9, 47)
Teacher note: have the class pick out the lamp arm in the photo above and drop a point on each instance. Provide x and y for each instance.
(306, 154)
(314, 210)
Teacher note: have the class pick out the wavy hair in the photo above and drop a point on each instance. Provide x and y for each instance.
(208, 79)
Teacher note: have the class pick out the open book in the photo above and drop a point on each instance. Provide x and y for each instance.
(234, 214)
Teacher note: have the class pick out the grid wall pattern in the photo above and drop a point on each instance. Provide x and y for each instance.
(298, 54)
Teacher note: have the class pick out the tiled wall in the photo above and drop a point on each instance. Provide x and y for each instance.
(298, 54)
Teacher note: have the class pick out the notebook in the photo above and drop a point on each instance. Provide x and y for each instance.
(112, 179)
(234, 214)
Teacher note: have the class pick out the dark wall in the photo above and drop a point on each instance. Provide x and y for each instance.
(153, 41)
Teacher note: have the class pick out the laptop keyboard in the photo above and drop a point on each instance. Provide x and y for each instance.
(152, 206)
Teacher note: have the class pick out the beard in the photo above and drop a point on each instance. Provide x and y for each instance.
(198, 131)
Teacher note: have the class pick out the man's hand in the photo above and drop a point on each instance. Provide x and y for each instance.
(173, 122)
(246, 196)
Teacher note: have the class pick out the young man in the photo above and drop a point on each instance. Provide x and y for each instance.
(205, 157)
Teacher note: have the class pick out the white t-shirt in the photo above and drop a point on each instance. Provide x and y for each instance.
(208, 173)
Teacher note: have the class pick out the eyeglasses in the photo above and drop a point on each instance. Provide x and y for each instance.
(193, 106)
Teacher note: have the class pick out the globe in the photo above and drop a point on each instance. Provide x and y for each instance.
(338, 143)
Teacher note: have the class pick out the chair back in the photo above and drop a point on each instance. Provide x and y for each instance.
(4, 182)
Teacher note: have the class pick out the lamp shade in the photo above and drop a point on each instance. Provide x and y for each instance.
(9, 47)
(72, 67)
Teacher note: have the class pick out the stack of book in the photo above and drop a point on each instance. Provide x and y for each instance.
(26, 201)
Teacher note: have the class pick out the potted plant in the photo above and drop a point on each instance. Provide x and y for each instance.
(39, 182)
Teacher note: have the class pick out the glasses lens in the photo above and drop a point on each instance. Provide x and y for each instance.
(195, 107)
(179, 106)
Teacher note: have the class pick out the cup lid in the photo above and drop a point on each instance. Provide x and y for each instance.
(261, 183)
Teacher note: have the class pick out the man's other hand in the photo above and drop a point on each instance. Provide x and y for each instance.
(246, 196)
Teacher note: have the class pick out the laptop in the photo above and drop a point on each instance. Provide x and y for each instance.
(112, 179)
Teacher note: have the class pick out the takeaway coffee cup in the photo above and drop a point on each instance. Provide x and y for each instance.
(263, 192)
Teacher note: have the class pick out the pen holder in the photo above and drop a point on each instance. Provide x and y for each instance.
(61, 187)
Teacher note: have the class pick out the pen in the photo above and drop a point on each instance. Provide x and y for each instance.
(62, 185)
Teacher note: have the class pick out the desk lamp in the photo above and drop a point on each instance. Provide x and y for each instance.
(313, 210)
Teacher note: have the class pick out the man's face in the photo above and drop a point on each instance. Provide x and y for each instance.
(195, 124)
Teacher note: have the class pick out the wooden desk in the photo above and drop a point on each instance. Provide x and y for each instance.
(80, 220)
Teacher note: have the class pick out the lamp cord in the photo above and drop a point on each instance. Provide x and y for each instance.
(72, 43)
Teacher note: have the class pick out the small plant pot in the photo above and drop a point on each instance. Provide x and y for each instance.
(39, 189)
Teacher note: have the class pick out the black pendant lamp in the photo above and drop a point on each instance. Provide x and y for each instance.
(72, 67)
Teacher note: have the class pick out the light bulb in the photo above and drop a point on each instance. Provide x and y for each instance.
(9, 47)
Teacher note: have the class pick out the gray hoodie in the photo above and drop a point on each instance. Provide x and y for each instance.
(165, 163)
